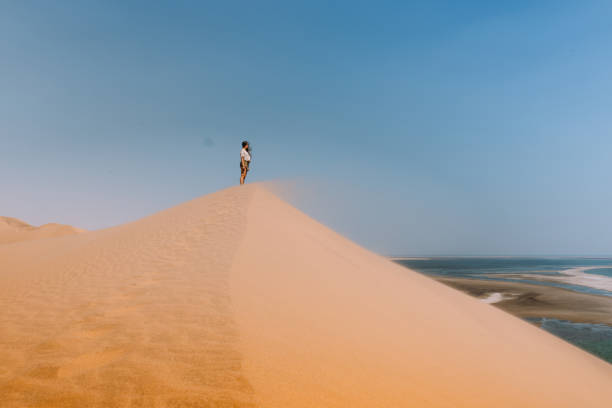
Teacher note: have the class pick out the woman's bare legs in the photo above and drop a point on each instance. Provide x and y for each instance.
(243, 174)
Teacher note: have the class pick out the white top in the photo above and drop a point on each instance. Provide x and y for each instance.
(244, 153)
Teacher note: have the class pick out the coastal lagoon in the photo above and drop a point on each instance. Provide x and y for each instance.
(586, 276)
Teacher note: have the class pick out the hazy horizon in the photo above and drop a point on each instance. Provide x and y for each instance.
(413, 128)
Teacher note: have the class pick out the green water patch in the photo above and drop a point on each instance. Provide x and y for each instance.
(594, 338)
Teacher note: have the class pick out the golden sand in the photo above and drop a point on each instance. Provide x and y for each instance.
(237, 299)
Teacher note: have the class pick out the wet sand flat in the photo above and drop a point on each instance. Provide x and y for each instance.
(529, 300)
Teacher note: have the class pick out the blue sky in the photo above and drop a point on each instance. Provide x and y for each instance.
(433, 127)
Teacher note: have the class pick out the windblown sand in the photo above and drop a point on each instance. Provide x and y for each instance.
(237, 299)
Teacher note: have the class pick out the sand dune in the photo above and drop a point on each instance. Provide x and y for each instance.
(14, 230)
(237, 299)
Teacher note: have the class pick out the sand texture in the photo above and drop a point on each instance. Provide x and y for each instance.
(237, 299)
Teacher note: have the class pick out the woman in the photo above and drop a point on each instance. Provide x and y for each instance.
(245, 160)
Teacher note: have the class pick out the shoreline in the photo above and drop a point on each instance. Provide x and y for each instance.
(571, 276)
(528, 300)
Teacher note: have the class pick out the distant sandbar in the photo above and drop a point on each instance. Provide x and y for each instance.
(529, 300)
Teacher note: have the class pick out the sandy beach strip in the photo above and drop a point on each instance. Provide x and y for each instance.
(529, 300)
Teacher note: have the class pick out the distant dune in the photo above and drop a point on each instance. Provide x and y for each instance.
(237, 299)
(14, 230)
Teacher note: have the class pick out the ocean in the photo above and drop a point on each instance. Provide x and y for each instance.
(584, 275)
(560, 272)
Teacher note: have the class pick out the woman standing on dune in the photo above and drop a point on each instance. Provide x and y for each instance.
(245, 160)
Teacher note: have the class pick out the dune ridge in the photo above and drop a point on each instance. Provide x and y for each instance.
(15, 230)
(237, 299)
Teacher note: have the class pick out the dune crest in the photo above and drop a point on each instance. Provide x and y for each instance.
(237, 299)
(15, 230)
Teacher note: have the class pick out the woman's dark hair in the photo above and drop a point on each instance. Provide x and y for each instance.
(245, 143)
